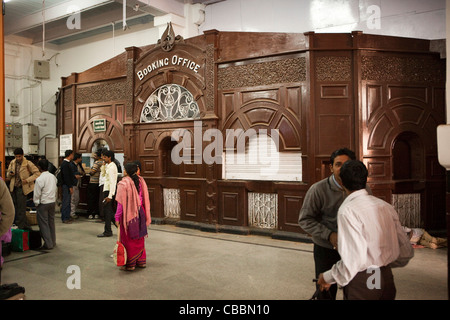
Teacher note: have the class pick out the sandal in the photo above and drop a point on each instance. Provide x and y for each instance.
(125, 268)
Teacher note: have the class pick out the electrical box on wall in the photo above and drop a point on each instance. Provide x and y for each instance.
(9, 138)
(41, 69)
(13, 135)
(14, 109)
(32, 133)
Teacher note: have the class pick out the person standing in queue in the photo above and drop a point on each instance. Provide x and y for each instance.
(69, 181)
(44, 197)
(78, 173)
(21, 174)
(93, 186)
(133, 216)
(109, 191)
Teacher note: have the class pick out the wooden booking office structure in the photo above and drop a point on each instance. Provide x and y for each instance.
(232, 128)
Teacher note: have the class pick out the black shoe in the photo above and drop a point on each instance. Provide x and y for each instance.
(103, 235)
(43, 248)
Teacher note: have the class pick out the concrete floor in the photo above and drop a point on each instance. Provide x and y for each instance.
(188, 264)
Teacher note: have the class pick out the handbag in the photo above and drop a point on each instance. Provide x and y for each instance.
(119, 253)
(20, 240)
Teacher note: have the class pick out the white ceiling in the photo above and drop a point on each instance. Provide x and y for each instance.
(26, 18)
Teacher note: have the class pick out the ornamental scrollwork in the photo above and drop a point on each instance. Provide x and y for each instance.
(170, 102)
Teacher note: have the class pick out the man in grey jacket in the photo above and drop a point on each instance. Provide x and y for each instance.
(318, 216)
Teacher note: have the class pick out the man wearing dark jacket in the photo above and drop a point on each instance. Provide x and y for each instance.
(69, 181)
(318, 216)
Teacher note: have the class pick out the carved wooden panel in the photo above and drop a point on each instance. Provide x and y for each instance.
(67, 107)
(232, 205)
(192, 202)
(290, 202)
(333, 110)
(259, 73)
(265, 108)
(402, 104)
(114, 113)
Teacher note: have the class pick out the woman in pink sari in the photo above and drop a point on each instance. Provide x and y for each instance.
(133, 216)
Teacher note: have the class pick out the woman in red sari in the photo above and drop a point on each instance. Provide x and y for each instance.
(133, 216)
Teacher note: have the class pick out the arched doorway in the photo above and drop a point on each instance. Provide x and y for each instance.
(171, 192)
(408, 157)
(408, 174)
(168, 168)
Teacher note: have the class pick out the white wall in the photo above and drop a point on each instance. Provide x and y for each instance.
(35, 97)
(406, 18)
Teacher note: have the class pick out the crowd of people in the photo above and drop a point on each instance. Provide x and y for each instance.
(117, 201)
(352, 230)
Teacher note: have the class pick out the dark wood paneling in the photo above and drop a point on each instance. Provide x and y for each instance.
(265, 108)
(114, 135)
(192, 200)
(232, 204)
(321, 91)
(289, 204)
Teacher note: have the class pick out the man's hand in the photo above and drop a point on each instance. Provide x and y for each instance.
(322, 284)
(333, 238)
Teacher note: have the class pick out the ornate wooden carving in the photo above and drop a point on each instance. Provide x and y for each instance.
(259, 73)
(374, 94)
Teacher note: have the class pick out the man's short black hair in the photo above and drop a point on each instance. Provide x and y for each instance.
(342, 151)
(68, 153)
(18, 151)
(77, 156)
(354, 175)
(43, 164)
(109, 154)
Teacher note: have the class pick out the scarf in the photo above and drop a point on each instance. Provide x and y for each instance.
(136, 215)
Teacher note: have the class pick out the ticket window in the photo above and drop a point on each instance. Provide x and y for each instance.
(262, 160)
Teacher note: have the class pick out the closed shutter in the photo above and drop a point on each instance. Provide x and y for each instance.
(262, 161)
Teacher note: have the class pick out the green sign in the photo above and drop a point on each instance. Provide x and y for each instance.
(100, 125)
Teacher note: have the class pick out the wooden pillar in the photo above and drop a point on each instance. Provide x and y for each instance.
(2, 95)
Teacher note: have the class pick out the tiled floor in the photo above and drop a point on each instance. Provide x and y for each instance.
(194, 265)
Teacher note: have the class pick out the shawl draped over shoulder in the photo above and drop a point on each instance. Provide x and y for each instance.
(135, 213)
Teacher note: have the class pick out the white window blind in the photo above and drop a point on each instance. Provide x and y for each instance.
(262, 161)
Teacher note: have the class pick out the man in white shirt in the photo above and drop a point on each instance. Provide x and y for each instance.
(370, 241)
(44, 197)
(109, 191)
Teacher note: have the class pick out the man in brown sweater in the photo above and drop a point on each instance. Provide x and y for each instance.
(21, 174)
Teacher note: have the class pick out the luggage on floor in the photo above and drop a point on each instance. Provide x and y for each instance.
(11, 292)
(19, 241)
(35, 239)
